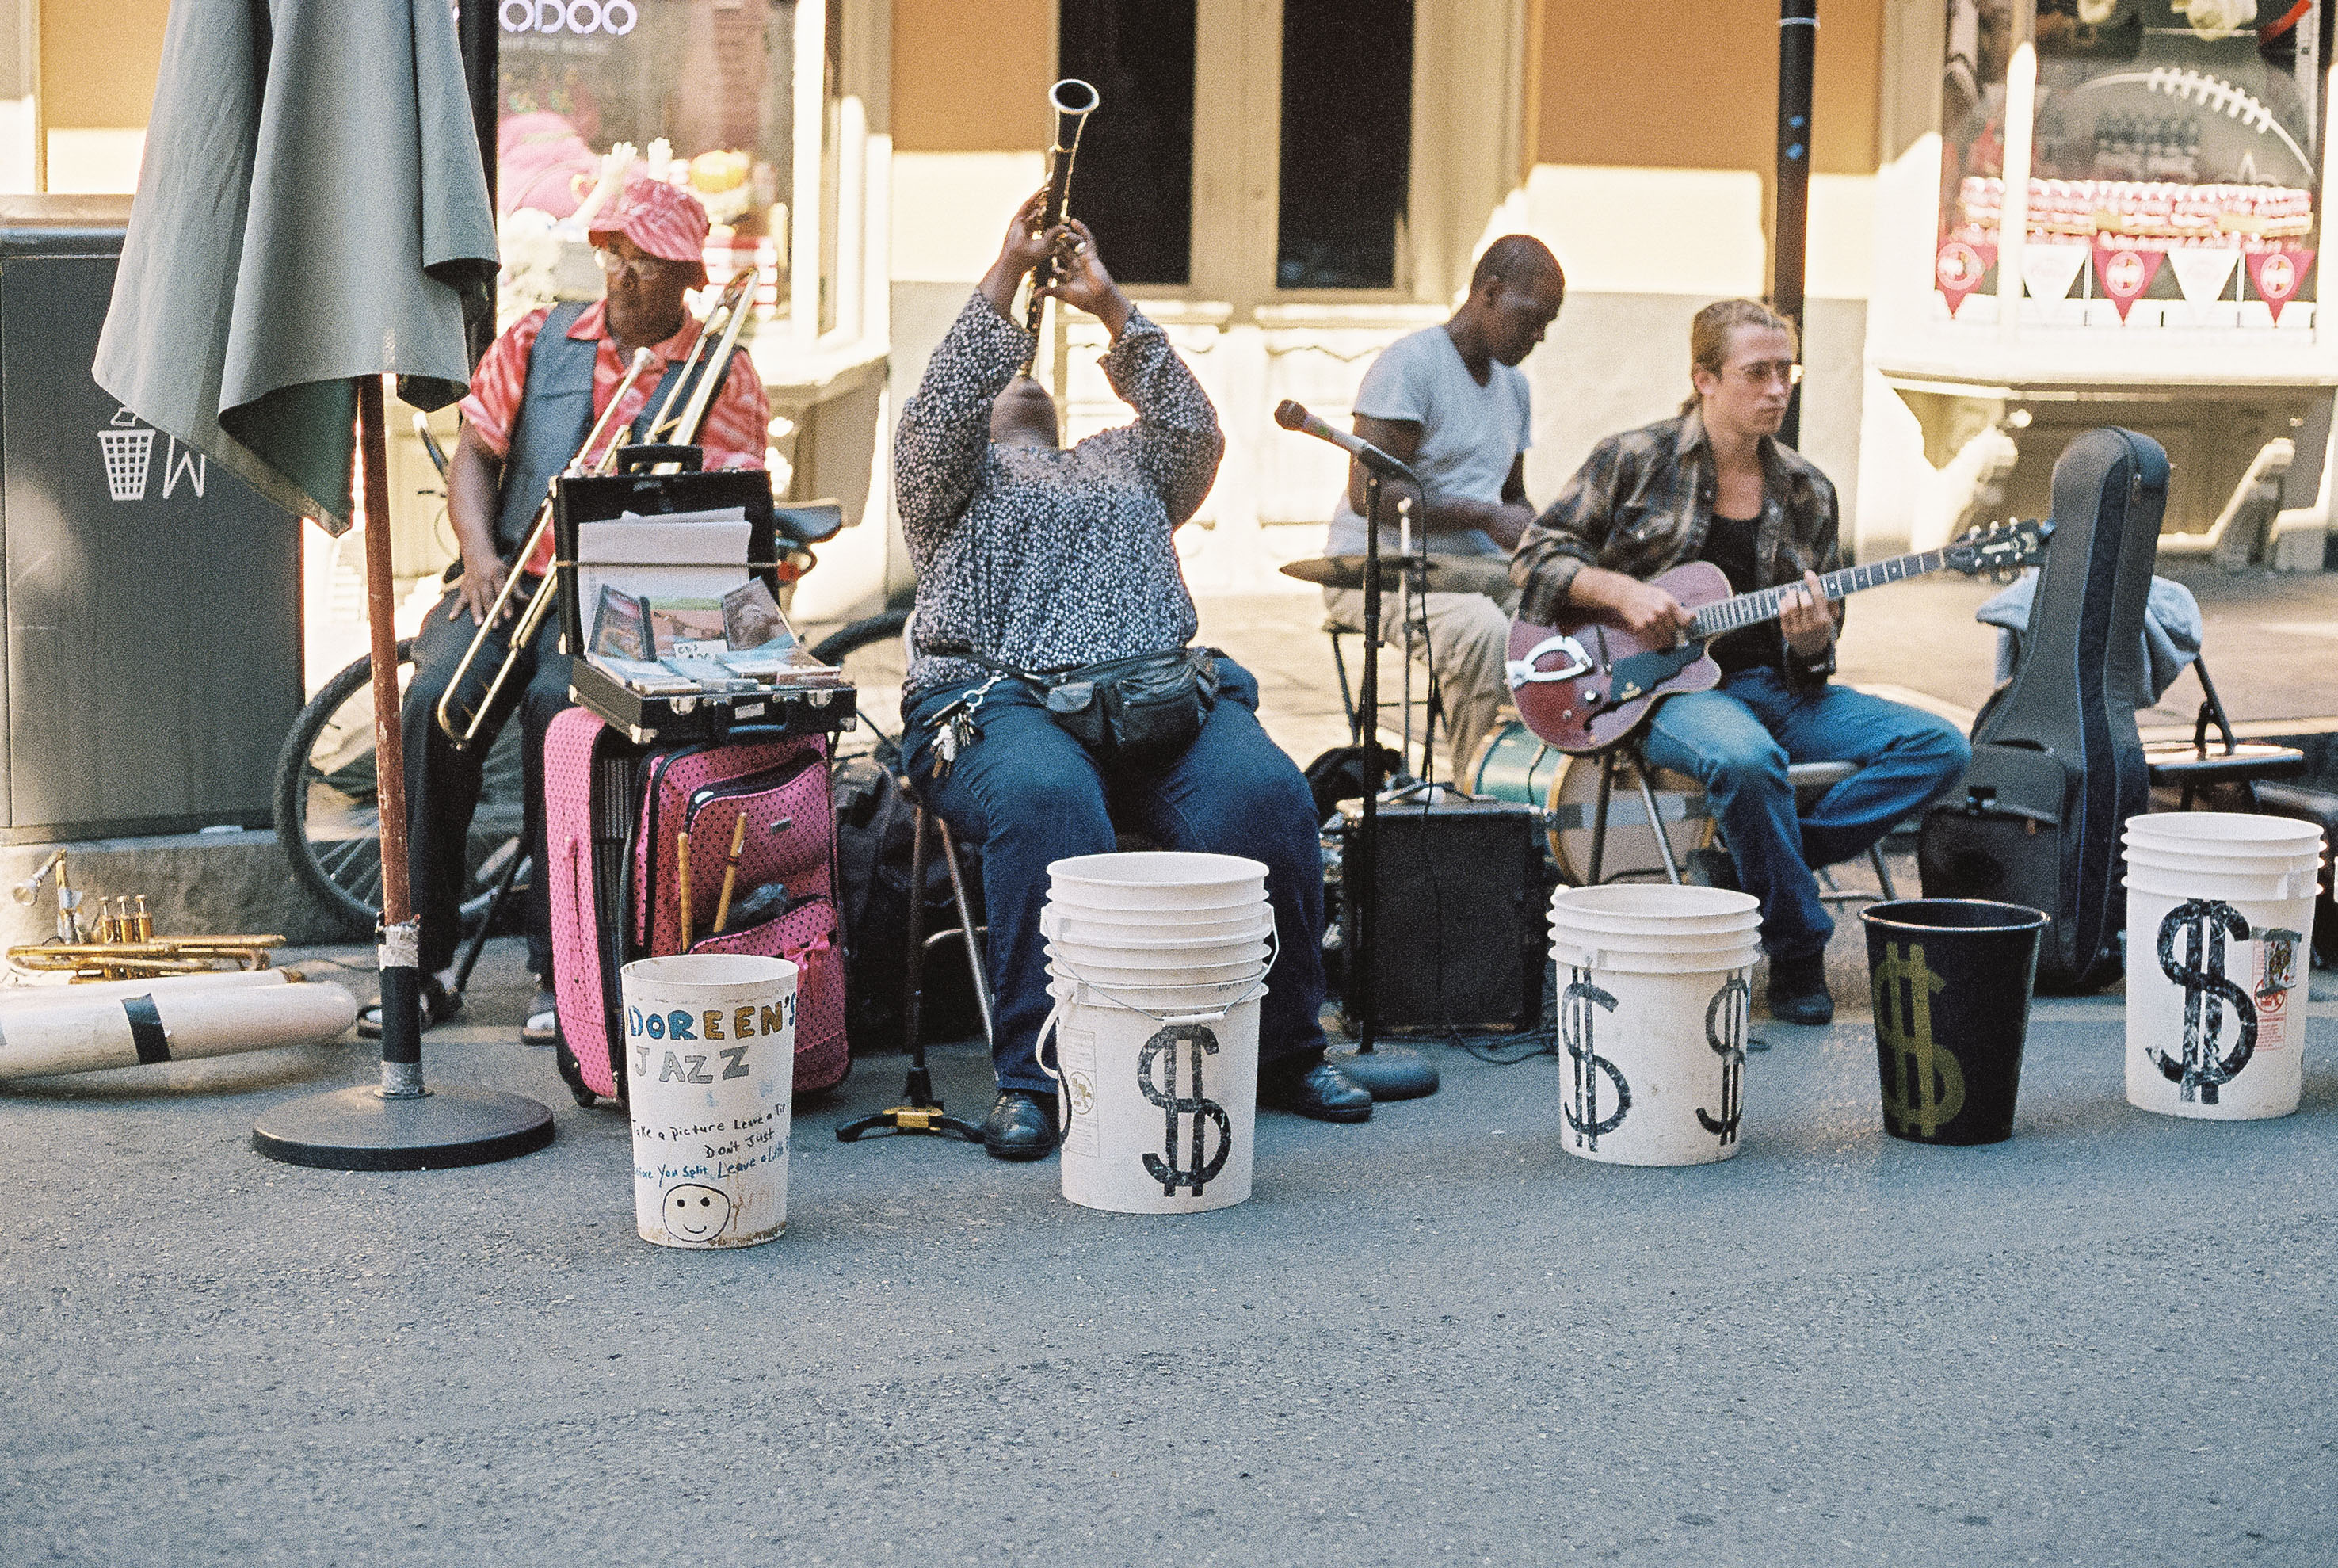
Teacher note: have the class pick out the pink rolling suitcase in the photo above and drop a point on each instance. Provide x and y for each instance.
(614, 814)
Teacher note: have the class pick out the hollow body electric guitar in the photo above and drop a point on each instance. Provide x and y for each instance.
(1584, 684)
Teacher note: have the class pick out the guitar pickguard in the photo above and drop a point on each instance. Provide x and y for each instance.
(1642, 673)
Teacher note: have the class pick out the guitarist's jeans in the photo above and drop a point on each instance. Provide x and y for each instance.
(1029, 794)
(1736, 741)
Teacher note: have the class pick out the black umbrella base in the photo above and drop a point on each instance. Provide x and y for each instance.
(358, 1129)
(1390, 1071)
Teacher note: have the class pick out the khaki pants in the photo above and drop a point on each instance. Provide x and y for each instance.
(1468, 637)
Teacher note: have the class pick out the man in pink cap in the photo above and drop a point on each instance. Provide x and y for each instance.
(535, 396)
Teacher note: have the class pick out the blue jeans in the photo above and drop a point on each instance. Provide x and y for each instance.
(1030, 794)
(1736, 741)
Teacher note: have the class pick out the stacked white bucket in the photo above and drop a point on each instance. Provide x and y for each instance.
(2219, 922)
(1655, 990)
(1156, 962)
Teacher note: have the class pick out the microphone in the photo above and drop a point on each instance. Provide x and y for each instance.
(1292, 416)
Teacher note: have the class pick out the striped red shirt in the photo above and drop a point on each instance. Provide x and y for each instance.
(736, 423)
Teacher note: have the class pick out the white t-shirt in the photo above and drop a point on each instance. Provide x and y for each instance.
(1470, 435)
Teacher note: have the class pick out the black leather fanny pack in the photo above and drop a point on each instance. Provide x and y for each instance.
(1145, 709)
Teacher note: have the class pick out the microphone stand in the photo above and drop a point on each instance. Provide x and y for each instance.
(1398, 1073)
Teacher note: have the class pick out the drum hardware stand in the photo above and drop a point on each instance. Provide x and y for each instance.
(1398, 1073)
(1414, 612)
(922, 1110)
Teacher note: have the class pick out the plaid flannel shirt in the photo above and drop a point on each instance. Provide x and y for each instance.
(1642, 503)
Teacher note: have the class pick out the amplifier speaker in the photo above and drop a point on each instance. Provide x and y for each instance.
(1464, 917)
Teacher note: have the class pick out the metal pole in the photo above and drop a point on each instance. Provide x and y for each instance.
(478, 38)
(1365, 865)
(1394, 1073)
(1798, 33)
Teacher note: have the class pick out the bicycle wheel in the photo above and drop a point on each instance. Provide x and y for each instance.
(328, 812)
(869, 653)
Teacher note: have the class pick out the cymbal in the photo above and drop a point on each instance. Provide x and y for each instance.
(1441, 573)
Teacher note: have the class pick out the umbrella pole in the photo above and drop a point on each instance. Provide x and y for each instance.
(398, 942)
(399, 1125)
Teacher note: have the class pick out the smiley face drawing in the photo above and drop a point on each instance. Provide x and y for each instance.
(694, 1212)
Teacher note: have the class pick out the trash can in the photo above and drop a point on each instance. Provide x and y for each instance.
(152, 599)
(1951, 979)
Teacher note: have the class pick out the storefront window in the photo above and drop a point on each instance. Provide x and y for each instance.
(2173, 164)
(712, 80)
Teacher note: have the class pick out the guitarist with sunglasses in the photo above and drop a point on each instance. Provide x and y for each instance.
(1713, 484)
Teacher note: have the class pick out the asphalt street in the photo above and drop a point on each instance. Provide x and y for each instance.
(1435, 1338)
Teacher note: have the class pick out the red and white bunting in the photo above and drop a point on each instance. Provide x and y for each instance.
(2124, 271)
(2278, 275)
(1958, 267)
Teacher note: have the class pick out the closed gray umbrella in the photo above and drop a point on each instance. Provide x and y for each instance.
(311, 210)
(313, 216)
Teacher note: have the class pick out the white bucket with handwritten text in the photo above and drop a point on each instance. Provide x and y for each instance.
(709, 1064)
(2215, 994)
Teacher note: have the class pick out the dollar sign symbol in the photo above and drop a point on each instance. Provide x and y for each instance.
(1725, 1032)
(1575, 1013)
(1923, 1085)
(1163, 1167)
(2201, 1071)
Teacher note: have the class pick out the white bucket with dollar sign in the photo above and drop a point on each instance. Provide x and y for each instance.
(710, 1069)
(1159, 1113)
(2215, 994)
(1652, 1055)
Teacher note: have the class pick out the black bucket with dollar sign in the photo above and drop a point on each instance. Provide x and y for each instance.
(1951, 981)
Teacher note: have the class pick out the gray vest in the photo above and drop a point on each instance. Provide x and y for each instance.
(556, 415)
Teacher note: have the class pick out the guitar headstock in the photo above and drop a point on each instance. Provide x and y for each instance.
(2001, 549)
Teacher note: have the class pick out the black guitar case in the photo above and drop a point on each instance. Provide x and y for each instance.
(2058, 767)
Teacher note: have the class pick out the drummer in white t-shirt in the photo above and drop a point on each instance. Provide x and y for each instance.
(1451, 402)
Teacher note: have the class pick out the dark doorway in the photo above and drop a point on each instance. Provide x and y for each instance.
(1133, 184)
(1347, 142)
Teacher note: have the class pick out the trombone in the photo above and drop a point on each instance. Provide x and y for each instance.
(703, 374)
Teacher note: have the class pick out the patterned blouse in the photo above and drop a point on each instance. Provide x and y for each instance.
(1038, 557)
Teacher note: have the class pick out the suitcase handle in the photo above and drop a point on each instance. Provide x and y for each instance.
(635, 459)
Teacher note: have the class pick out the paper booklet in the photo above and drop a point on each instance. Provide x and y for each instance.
(740, 643)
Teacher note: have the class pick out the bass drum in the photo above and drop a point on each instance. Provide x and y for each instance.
(1515, 765)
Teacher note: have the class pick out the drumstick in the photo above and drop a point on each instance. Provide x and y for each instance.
(682, 882)
(730, 873)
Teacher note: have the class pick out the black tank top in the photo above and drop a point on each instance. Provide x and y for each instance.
(1729, 545)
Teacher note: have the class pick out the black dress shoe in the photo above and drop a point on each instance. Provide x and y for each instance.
(1021, 1126)
(1315, 1088)
(1798, 991)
